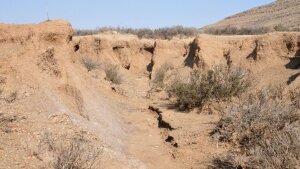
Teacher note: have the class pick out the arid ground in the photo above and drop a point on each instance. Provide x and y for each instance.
(56, 88)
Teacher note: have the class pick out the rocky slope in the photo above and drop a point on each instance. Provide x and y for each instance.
(284, 12)
(45, 87)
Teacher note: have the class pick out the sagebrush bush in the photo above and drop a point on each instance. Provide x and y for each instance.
(160, 74)
(71, 153)
(220, 83)
(112, 74)
(264, 130)
(90, 63)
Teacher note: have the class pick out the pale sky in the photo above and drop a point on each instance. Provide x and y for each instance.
(89, 14)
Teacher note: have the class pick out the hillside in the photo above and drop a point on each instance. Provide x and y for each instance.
(57, 101)
(281, 12)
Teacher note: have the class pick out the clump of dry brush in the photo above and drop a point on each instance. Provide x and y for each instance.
(160, 33)
(111, 71)
(217, 84)
(264, 130)
(76, 152)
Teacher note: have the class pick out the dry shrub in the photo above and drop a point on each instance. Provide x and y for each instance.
(181, 32)
(160, 33)
(160, 74)
(229, 30)
(112, 74)
(71, 153)
(7, 119)
(295, 97)
(48, 63)
(80, 32)
(264, 130)
(176, 31)
(11, 97)
(223, 163)
(280, 28)
(218, 84)
(90, 63)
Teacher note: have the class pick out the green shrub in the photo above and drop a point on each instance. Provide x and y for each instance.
(217, 84)
(264, 131)
(112, 74)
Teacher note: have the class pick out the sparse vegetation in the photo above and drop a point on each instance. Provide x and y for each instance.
(6, 119)
(160, 33)
(90, 63)
(71, 153)
(229, 30)
(295, 97)
(280, 28)
(220, 83)
(161, 73)
(11, 97)
(264, 130)
(112, 74)
(184, 32)
(47, 62)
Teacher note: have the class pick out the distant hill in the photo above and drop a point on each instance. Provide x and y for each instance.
(283, 13)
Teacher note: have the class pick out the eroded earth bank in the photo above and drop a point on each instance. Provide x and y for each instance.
(54, 89)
